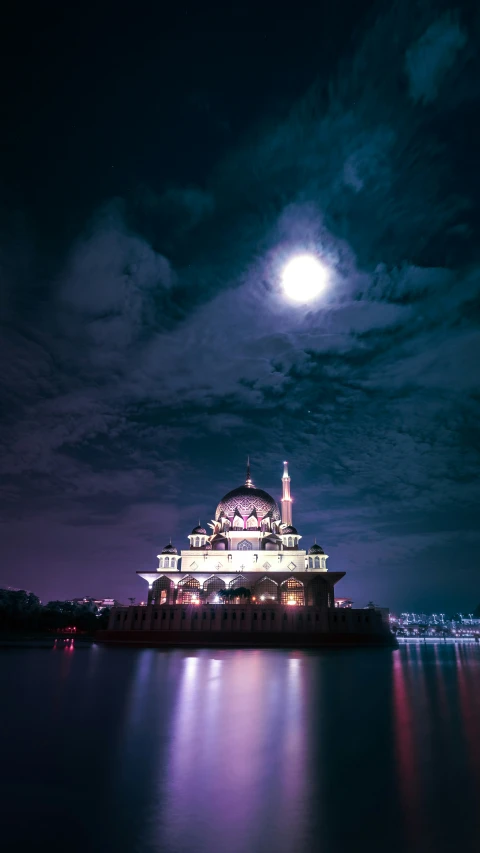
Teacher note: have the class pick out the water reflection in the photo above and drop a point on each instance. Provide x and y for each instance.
(243, 751)
(236, 752)
(405, 747)
(436, 696)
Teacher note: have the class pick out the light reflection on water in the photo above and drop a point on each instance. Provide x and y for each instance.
(245, 751)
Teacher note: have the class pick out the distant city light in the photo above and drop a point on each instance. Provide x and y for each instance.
(303, 278)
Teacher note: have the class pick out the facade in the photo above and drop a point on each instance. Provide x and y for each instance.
(246, 572)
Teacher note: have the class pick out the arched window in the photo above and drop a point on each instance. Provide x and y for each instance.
(290, 542)
(172, 562)
(310, 562)
(239, 581)
(244, 545)
(323, 563)
(188, 589)
(166, 563)
(317, 562)
(161, 562)
(295, 542)
(197, 542)
(292, 592)
(162, 591)
(266, 587)
(252, 522)
(238, 522)
(318, 591)
(212, 585)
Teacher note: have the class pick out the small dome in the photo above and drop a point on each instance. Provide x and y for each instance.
(169, 549)
(198, 531)
(289, 530)
(315, 549)
(219, 542)
(218, 537)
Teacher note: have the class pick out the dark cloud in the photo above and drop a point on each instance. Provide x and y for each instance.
(139, 375)
(431, 57)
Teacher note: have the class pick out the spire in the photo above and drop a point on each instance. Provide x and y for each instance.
(286, 498)
(248, 481)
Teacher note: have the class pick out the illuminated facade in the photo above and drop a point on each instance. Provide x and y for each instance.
(251, 545)
(244, 573)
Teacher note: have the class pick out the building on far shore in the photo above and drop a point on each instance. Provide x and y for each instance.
(95, 604)
(344, 603)
(245, 578)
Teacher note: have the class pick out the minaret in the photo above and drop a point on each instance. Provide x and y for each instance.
(286, 499)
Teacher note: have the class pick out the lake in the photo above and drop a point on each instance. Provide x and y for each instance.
(240, 751)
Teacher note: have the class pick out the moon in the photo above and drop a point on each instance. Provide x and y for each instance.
(303, 278)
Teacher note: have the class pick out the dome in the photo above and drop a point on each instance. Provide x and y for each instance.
(169, 549)
(289, 530)
(198, 531)
(246, 499)
(219, 542)
(315, 549)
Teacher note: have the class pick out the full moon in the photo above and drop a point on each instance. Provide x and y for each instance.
(303, 278)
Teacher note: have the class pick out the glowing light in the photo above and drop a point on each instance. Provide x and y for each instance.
(216, 599)
(303, 278)
(262, 598)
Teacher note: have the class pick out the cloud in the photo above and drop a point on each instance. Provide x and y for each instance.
(431, 57)
(151, 365)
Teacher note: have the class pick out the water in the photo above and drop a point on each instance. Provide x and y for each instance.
(240, 751)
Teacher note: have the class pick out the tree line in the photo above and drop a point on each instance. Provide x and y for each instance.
(23, 611)
(232, 594)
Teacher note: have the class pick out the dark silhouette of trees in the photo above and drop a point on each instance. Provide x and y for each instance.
(232, 594)
(23, 611)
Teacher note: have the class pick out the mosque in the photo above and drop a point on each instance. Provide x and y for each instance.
(246, 577)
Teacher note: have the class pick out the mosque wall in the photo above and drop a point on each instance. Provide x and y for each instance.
(241, 560)
(246, 619)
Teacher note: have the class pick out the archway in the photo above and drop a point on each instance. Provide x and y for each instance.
(266, 589)
(211, 586)
(188, 590)
(162, 591)
(292, 592)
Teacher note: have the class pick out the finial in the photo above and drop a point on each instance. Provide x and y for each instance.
(248, 481)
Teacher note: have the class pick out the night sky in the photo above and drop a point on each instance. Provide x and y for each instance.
(158, 168)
